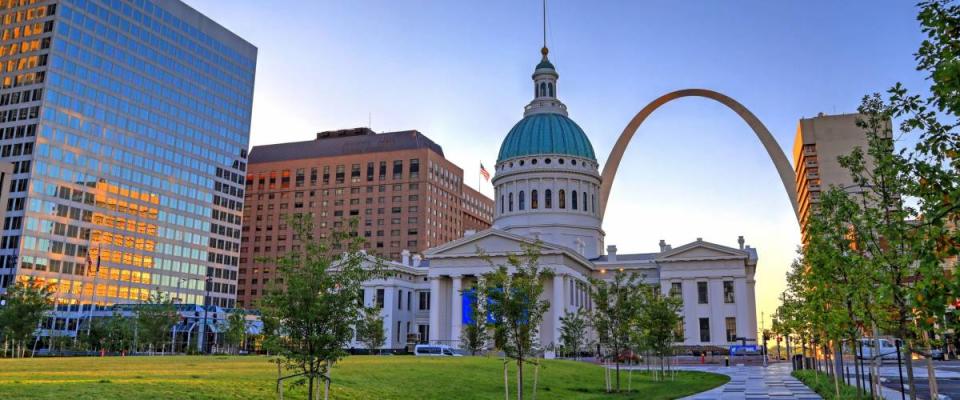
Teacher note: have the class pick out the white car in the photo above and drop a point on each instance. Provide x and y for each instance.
(435, 350)
(887, 351)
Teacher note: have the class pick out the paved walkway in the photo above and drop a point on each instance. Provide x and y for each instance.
(755, 382)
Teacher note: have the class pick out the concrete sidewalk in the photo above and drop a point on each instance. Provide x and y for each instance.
(755, 382)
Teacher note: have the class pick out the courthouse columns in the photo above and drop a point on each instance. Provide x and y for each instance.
(456, 313)
(557, 307)
(434, 309)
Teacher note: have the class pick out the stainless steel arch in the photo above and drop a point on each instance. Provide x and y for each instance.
(779, 159)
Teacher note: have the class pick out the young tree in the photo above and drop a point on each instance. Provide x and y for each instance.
(475, 335)
(657, 320)
(573, 332)
(26, 304)
(614, 314)
(913, 254)
(370, 330)
(315, 308)
(516, 307)
(836, 274)
(114, 334)
(236, 331)
(155, 318)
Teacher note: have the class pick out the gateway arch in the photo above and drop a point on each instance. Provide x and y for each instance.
(779, 159)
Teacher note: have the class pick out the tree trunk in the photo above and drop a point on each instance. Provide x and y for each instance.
(931, 372)
(506, 381)
(909, 361)
(616, 360)
(536, 377)
(519, 380)
(310, 387)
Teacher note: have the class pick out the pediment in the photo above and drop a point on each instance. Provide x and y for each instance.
(494, 242)
(701, 250)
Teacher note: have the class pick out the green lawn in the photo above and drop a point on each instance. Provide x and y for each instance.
(357, 377)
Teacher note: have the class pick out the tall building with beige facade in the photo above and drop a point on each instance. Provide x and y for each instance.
(398, 185)
(819, 142)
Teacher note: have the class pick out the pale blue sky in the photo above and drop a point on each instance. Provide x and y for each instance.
(460, 73)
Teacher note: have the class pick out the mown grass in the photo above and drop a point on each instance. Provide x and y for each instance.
(824, 386)
(357, 377)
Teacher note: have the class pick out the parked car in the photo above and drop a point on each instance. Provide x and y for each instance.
(936, 354)
(887, 350)
(435, 350)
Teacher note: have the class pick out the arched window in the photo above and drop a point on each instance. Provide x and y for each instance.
(593, 203)
(584, 201)
(501, 204)
(522, 201)
(550, 89)
(562, 198)
(533, 199)
(548, 199)
(543, 89)
(510, 199)
(573, 200)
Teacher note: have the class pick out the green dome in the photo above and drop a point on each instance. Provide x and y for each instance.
(546, 133)
(545, 64)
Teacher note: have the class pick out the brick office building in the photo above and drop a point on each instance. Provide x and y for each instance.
(399, 186)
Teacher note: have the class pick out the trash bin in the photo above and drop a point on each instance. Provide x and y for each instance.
(797, 361)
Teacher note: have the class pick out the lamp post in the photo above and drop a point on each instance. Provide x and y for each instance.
(173, 331)
(203, 325)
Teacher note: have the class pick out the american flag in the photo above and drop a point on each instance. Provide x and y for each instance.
(484, 173)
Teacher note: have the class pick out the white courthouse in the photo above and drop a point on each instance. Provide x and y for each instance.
(547, 185)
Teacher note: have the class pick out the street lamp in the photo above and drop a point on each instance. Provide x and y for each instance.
(203, 325)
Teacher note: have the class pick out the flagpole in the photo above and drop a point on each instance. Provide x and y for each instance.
(93, 295)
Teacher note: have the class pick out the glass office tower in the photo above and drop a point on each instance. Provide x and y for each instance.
(127, 122)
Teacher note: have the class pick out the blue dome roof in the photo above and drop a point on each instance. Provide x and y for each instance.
(546, 133)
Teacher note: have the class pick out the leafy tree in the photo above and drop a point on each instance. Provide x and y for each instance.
(115, 333)
(370, 330)
(911, 256)
(27, 303)
(573, 332)
(475, 335)
(614, 314)
(236, 330)
(155, 318)
(837, 275)
(657, 320)
(316, 308)
(516, 308)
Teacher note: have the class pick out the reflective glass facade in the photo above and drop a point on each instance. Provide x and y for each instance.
(132, 154)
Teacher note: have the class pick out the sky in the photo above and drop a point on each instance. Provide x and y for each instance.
(459, 72)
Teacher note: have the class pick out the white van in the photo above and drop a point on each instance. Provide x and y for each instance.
(887, 351)
(435, 350)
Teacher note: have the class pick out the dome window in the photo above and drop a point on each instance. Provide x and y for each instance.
(550, 88)
(533, 199)
(511, 164)
(510, 205)
(521, 163)
(522, 201)
(562, 198)
(533, 161)
(547, 161)
(584, 201)
(574, 162)
(560, 161)
(573, 200)
(548, 199)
